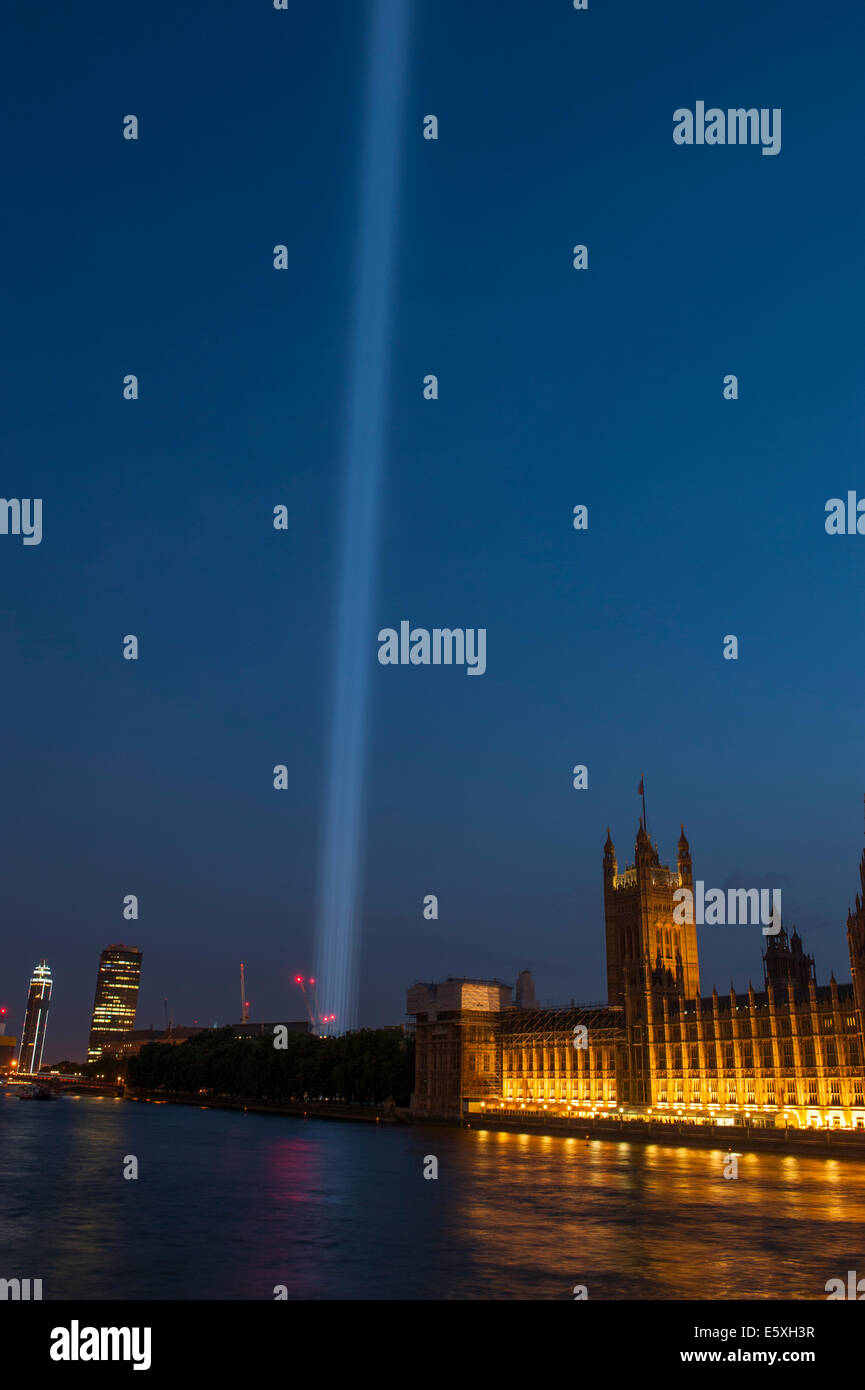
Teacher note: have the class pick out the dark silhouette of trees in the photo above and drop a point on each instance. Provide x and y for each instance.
(371, 1065)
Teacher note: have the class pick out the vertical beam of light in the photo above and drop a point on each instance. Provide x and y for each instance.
(340, 889)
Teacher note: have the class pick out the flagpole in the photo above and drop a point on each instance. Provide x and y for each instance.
(645, 820)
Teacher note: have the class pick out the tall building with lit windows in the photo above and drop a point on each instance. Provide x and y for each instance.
(35, 1019)
(116, 999)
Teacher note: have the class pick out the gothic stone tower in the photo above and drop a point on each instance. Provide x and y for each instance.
(642, 938)
(786, 967)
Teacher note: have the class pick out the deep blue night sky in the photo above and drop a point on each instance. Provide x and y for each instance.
(557, 387)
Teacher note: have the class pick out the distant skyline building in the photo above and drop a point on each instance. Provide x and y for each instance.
(116, 999)
(35, 1019)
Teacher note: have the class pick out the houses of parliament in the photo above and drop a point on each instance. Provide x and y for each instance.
(789, 1054)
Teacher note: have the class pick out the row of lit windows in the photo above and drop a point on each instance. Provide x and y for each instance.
(761, 1025)
(601, 1092)
(600, 1057)
(847, 1054)
(791, 1092)
(843, 1052)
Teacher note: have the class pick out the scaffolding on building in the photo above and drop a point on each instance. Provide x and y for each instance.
(545, 1051)
(551, 1027)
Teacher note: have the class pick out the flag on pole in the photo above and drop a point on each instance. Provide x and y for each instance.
(640, 788)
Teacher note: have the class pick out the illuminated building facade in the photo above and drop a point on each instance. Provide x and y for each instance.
(35, 1019)
(116, 999)
(789, 1054)
(457, 1042)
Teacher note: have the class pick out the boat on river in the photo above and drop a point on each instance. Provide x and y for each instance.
(38, 1092)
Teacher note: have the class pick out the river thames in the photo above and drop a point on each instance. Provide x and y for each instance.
(229, 1205)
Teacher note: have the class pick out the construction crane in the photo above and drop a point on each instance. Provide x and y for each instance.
(298, 980)
(310, 998)
(244, 1002)
(309, 990)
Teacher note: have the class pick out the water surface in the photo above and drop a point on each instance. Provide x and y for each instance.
(227, 1205)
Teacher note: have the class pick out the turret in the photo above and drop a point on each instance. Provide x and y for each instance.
(785, 963)
(686, 873)
(645, 854)
(524, 993)
(611, 866)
